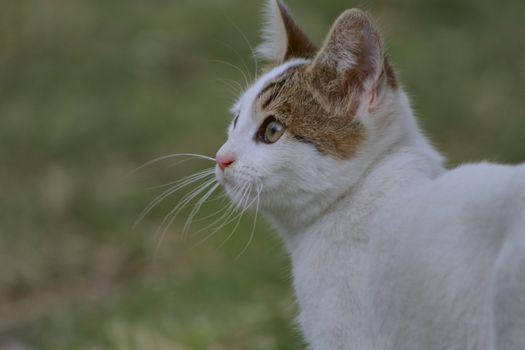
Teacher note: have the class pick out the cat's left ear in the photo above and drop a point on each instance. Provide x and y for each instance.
(351, 64)
(283, 39)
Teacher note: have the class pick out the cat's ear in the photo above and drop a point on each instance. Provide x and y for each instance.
(282, 37)
(350, 62)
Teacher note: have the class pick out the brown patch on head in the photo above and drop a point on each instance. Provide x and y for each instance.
(295, 102)
(319, 102)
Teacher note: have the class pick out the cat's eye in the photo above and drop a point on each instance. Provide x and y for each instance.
(235, 121)
(270, 131)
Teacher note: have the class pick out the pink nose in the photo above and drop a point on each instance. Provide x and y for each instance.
(224, 161)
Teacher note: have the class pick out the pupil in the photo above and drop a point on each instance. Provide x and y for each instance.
(274, 128)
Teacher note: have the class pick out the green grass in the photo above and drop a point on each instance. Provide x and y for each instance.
(90, 90)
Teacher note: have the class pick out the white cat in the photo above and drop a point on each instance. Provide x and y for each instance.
(389, 249)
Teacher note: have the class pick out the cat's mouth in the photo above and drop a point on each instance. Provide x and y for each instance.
(221, 178)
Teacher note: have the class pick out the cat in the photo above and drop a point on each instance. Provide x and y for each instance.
(389, 249)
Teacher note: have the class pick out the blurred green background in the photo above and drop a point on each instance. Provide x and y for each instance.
(92, 89)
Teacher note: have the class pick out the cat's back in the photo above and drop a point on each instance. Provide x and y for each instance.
(439, 254)
(478, 197)
(482, 186)
(471, 200)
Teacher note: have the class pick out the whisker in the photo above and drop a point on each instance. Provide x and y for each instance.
(215, 213)
(239, 218)
(233, 89)
(226, 212)
(170, 192)
(234, 217)
(236, 53)
(229, 209)
(188, 197)
(170, 217)
(246, 81)
(196, 209)
(225, 218)
(200, 156)
(252, 234)
(210, 171)
(183, 161)
(237, 87)
(250, 46)
(185, 182)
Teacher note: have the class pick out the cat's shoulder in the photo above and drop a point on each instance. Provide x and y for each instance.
(491, 178)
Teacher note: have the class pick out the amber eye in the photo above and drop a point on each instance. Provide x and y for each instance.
(270, 131)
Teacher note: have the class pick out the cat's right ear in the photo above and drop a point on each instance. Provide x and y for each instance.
(283, 39)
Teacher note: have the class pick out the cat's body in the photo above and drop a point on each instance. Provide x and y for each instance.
(389, 250)
(408, 257)
(409, 260)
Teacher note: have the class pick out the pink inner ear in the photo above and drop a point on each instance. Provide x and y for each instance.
(372, 104)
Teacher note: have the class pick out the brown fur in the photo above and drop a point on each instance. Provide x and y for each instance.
(294, 102)
(318, 102)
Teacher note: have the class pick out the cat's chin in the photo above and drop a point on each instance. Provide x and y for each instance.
(244, 198)
(242, 190)
(227, 183)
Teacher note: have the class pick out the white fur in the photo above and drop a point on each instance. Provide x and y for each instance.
(275, 40)
(240, 144)
(390, 250)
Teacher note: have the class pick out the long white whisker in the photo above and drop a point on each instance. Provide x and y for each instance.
(170, 217)
(234, 67)
(232, 88)
(243, 196)
(252, 234)
(237, 87)
(215, 213)
(225, 218)
(169, 192)
(236, 53)
(254, 56)
(183, 161)
(200, 156)
(239, 218)
(188, 197)
(176, 182)
(196, 209)
(238, 215)
(226, 212)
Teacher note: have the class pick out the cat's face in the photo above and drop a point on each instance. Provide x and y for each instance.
(298, 129)
(268, 157)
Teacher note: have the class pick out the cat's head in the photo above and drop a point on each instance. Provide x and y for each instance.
(306, 130)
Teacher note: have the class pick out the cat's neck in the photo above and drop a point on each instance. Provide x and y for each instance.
(330, 256)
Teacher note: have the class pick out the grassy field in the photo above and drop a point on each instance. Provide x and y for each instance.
(92, 89)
